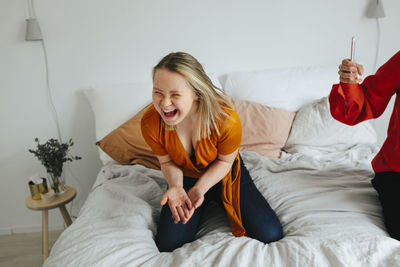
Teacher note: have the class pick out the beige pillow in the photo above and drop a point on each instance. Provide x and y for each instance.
(126, 144)
(264, 129)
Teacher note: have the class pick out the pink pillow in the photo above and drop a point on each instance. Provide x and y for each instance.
(264, 129)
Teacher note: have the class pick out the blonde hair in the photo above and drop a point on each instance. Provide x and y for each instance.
(211, 98)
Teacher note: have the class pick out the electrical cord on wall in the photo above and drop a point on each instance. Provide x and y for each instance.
(32, 14)
(48, 90)
(49, 96)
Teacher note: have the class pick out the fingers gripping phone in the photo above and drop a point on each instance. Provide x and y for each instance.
(353, 46)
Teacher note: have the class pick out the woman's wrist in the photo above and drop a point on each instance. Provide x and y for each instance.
(200, 188)
(175, 185)
(172, 174)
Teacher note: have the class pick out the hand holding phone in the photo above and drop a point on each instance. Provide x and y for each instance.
(349, 70)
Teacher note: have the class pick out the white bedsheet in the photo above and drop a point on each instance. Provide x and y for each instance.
(330, 214)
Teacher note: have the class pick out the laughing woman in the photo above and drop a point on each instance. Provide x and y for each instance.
(195, 133)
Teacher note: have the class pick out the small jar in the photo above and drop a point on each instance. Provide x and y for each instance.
(37, 189)
(35, 192)
(43, 189)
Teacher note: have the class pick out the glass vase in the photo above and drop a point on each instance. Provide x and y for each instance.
(56, 183)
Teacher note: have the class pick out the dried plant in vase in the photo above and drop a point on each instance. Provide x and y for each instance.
(52, 155)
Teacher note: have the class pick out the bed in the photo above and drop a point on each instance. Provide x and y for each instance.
(318, 183)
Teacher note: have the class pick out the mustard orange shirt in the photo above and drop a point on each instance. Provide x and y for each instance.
(163, 142)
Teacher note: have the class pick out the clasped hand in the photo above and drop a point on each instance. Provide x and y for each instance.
(349, 70)
(182, 204)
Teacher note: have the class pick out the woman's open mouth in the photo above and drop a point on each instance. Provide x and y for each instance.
(170, 114)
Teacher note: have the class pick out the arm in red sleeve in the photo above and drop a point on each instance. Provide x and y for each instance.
(353, 103)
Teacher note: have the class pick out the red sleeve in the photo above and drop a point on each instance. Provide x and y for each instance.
(353, 103)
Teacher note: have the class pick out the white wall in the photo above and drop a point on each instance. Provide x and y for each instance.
(117, 41)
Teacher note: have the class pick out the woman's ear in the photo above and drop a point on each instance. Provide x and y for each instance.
(196, 95)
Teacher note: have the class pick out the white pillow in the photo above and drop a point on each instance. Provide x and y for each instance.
(214, 79)
(114, 104)
(314, 128)
(288, 88)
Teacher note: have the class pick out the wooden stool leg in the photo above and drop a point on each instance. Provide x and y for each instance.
(45, 231)
(65, 215)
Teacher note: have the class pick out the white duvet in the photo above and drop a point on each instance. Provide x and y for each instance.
(330, 214)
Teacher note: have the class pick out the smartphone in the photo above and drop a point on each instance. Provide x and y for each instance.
(353, 47)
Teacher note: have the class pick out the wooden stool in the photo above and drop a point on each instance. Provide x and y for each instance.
(58, 202)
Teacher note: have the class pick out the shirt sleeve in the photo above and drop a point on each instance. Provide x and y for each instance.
(230, 134)
(353, 103)
(150, 127)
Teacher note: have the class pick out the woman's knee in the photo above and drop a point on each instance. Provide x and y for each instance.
(170, 235)
(267, 234)
(167, 244)
(273, 234)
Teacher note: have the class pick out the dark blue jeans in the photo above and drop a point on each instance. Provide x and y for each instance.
(258, 218)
